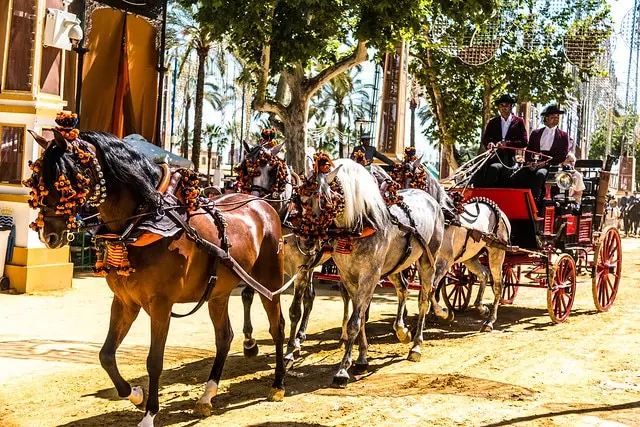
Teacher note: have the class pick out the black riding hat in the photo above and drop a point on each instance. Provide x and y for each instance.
(506, 98)
(365, 136)
(552, 109)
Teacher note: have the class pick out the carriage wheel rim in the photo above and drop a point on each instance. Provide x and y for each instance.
(608, 270)
(510, 281)
(459, 281)
(560, 298)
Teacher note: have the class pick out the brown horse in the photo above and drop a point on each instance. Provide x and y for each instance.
(171, 270)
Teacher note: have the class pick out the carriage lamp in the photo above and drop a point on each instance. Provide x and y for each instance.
(564, 180)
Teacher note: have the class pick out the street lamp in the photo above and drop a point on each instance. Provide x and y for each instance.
(360, 121)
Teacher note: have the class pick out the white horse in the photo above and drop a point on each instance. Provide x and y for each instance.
(390, 250)
(483, 228)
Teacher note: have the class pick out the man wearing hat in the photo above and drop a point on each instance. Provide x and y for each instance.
(548, 140)
(369, 151)
(504, 130)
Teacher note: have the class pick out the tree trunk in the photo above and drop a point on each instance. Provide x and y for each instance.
(447, 159)
(487, 94)
(412, 136)
(339, 112)
(184, 151)
(295, 132)
(209, 148)
(197, 121)
(295, 115)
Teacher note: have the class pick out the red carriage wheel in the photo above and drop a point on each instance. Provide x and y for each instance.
(608, 268)
(411, 273)
(562, 289)
(510, 282)
(456, 289)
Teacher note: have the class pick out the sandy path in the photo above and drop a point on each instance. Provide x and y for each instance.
(528, 372)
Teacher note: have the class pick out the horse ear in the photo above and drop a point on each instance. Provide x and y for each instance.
(332, 175)
(275, 150)
(60, 140)
(417, 162)
(308, 167)
(39, 139)
(246, 146)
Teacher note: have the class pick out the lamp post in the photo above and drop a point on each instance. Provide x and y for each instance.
(360, 121)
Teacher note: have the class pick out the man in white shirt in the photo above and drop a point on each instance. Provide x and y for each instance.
(551, 142)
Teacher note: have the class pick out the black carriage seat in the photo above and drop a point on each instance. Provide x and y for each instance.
(590, 169)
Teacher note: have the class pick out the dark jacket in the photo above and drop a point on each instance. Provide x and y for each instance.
(558, 151)
(370, 152)
(516, 137)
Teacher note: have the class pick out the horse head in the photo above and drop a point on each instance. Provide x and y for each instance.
(317, 193)
(65, 179)
(73, 175)
(264, 173)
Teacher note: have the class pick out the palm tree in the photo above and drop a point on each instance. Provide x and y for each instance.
(414, 102)
(211, 132)
(189, 37)
(337, 98)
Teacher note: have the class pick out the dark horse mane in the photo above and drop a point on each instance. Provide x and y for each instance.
(438, 192)
(121, 164)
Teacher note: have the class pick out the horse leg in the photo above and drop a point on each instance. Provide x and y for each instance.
(276, 329)
(344, 336)
(219, 314)
(496, 259)
(402, 332)
(249, 344)
(442, 245)
(427, 275)
(475, 266)
(362, 364)
(122, 317)
(295, 313)
(160, 313)
(361, 301)
(307, 300)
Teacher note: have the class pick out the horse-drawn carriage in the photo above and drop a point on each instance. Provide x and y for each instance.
(550, 244)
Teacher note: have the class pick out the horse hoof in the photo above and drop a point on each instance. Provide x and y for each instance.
(147, 421)
(404, 336)
(486, 327)
(414, 356)
(276, 395)
(137, 396)
(202, 409)
(251, 348)
(288, 361)
(341, 379)
(451, 316)
(484, 311)
(359, 368)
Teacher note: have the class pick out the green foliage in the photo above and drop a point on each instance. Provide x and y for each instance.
(623, 130)
(305, 31)
(530, 63)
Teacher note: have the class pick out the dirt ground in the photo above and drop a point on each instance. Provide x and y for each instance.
(528, 372)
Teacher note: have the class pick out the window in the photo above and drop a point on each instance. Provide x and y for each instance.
(20, 54)
(11, 153)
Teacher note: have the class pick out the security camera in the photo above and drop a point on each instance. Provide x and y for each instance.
(75, 34)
